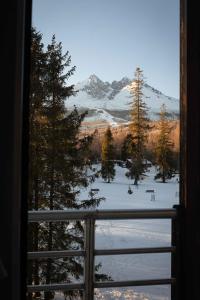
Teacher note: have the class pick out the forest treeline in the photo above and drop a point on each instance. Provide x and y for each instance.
(120, 132)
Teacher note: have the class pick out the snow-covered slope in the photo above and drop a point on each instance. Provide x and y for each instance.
(103, 99)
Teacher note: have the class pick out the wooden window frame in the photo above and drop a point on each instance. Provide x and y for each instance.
(14, 147)
(189, 286)
(15, 50)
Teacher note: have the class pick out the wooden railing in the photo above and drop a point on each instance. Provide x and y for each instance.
(89, 217)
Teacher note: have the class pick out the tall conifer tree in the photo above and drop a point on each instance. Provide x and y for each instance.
(36, 147)
(107, 157)
(128, 147)
(138, 126)
(61, 164)
(164, 148)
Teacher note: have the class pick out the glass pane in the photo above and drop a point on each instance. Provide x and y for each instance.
(104, 134)
(132, 234)
(137, 266)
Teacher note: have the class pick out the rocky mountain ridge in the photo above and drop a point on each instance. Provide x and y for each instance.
(111, 102)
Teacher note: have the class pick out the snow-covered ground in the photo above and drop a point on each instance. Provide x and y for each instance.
(103, 116)
(135, 233)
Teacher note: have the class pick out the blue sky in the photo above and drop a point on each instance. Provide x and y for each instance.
(110, 38)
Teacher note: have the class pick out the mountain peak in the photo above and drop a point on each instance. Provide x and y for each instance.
(125, 79)
(93, 78)
(103, 97)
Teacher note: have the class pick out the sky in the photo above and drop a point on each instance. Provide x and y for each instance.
(110, 38)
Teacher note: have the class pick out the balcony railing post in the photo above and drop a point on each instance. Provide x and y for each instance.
(89, 259)
(175, 256)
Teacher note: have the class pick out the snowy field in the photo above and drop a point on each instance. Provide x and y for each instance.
(135, 233)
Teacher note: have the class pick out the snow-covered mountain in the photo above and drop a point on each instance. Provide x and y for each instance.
(110, 102)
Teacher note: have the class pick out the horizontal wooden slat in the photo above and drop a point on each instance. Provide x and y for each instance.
(109, 284)
(63, 215)
(55, 287)
(134, 251)
(55, 254)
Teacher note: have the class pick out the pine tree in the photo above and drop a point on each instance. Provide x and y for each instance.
(36, 147)
(61, 164)
(128, 147)
(164, 148)
(138, 126)
(107, 157)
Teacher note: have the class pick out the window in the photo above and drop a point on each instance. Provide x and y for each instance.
(125, 147)
(190, 208)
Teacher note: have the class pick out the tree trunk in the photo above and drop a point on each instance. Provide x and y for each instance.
(50, 295)
(30, 262)
(36, 239)
(33, 267)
